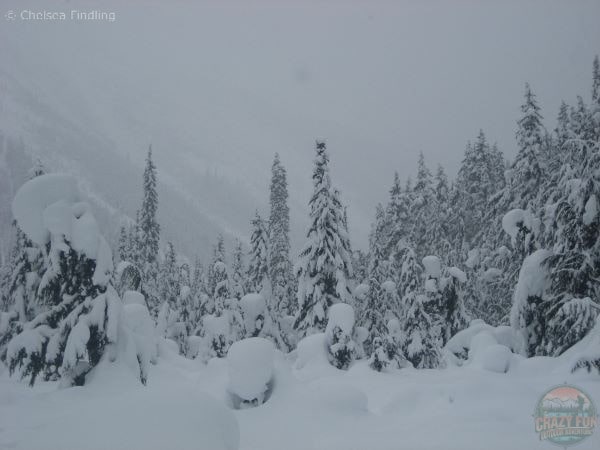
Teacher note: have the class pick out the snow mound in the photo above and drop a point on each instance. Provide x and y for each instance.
(389, 286)
(394, 326)
(311, 358)
(253, 306)
(472, 258)
(341, 315)
(497, 358)
(250, 365)
(361, 291)
(472, 343)
(431, 285)
(458, 274)
(516, 219)
(35, 196)
(591, 210)
(137, 318)
(432, 266)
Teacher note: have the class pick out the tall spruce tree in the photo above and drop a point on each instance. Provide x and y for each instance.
(422, 208)
(324, 267)
(528, 168)
(149, 236)
(280, 267)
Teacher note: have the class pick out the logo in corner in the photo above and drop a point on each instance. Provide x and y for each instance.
(565, 415)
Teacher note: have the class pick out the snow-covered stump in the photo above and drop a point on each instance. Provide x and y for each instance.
(250, 366)
(338, 335)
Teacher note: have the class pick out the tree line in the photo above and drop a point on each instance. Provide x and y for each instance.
(509, 242)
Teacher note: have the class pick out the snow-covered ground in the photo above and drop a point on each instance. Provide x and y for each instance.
(187, 405)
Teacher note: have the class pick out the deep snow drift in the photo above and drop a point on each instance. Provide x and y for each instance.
(313, 406)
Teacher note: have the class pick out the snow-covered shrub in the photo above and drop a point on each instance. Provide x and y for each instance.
(215, 334)
(169, 326)
(387, 350)
(254, 312)
(250, 367)
(472, 343)
(433, 267)
(379, 359)
(529, 311)
(338, 335)
(82, 309)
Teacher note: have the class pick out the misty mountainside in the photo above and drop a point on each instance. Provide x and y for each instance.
(62, 139)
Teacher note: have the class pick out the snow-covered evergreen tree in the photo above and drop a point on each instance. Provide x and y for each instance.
(422, 208)
(422, 341)
(324, 267)
(149, 236)
(258, 266)
(82, 309)
(238, 279)
(528, 169)
(280, 266)
(381, 301)
(218, 278)
(476, 183)
(169, 277)
(399, 224)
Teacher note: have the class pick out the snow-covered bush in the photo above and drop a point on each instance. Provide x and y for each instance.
(379, 359)
(250, 367)
(254, 312)
(387, 350)
(338, 335)
(472, 343)
(528, 313)
(215, 334)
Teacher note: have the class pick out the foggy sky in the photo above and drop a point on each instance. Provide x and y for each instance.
(222, 86)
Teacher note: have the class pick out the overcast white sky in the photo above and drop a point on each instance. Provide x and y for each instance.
(225, 84)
